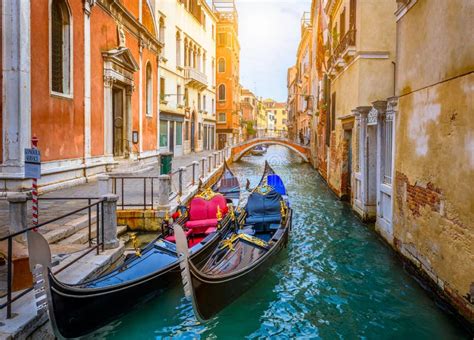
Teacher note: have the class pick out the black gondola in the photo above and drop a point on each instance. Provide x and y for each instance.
(243, 256)
(77, 310)
(228, 185)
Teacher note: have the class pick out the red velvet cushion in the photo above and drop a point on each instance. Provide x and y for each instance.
(172, 238)
(201, 226)
(198, 209)
(218, 200)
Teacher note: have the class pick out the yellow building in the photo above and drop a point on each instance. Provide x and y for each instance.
(434, 155)
(277, 118)
(261, 119)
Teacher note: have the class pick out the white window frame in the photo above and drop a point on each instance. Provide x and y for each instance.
(218, 117)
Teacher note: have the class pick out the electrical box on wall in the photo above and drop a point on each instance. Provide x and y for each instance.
(135, 137)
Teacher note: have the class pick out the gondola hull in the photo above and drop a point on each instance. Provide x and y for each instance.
(79, 311)
(211, 294)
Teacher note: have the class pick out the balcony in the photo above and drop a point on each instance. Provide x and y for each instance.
(195, 78)
(345, 48)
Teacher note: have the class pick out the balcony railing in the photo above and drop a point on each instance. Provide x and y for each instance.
(195, 78)
(347, 41)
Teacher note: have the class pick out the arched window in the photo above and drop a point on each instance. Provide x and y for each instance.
(221, 65)
(221, 92)
(149, 90)
(60, 47)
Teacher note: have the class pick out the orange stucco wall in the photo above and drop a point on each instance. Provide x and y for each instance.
(149, 124)
(57, 122)
(1, 84)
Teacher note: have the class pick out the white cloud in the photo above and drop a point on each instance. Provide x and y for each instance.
(269, 33)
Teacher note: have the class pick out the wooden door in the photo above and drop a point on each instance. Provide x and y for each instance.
(118, 122)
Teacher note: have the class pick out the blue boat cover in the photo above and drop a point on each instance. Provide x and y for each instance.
(263, 209)
(275, 181)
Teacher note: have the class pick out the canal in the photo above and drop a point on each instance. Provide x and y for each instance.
(337, 279)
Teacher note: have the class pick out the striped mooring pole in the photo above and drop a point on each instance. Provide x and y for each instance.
(34, 191)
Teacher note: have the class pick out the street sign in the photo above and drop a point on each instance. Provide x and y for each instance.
(32, 163)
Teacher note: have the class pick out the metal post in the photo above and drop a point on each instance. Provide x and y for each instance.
(109, 221)
(9, 278)
(215, 159)
(180, 186)
(210, 161)
(195, 165)
(203, 166)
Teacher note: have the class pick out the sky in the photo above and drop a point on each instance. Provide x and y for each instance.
(269, 33)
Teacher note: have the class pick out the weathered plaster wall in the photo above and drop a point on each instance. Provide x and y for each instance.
(149, 123)
(434, 161)
(1, 82)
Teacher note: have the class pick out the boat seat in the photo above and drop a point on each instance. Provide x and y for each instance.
(263, 210)
(210, 230)
(203, 213)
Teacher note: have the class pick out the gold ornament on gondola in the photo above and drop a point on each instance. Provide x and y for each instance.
(263, 189)
(283, 209)
(167, 216)
(231, 212)
(229, 243)
(134, 239)
(207, 194)
(219, 214)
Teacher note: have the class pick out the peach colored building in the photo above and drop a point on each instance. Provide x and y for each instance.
(82, 77)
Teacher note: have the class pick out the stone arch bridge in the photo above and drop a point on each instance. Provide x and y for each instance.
(239, 150)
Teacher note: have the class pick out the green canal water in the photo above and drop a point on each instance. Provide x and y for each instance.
(336, 279)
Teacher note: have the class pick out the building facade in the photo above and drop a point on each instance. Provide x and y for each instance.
(228, 71)
(291, 102)
(187, 80)
(93, 103)
(433, 178)
(277, 118)
(249, 108)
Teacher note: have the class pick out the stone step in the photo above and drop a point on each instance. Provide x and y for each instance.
(69, 228)
(82, 236)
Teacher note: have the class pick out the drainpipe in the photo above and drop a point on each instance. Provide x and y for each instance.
(394, 77)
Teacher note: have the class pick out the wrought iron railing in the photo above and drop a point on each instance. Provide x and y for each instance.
(98, 206)
(348, 40)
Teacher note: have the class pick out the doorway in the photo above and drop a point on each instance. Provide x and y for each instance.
(118, 122)
(347, 166)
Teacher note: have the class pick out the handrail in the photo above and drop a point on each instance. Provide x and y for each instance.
(99, 243)
(346, 41)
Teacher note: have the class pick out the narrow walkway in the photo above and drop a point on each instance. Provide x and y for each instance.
(52, 209)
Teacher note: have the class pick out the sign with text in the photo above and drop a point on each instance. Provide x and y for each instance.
(32, 163)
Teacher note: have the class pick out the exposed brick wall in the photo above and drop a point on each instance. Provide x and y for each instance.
(417, 196)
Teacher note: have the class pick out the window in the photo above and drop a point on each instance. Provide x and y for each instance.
(221, 65)
(179, 100)
(213, 107)
(213, 72)
(149, 90)
(163, 133)
(162, 89)
(222, 117)
(186, 97)
(222, 39)
(60, 47)
(178, 49)
(342, 23)
(387, 147)
(161, 31)
(221, 92)
(352, 14)
(204, 98)
(179, 133)
(199, 102)
(204, 61)
(200, 131)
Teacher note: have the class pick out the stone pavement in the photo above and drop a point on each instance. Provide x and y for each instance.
(133, 189)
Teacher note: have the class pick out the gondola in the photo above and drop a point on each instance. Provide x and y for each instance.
(228, 185)
(259, 150)
(77, 310)
(242, 257)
